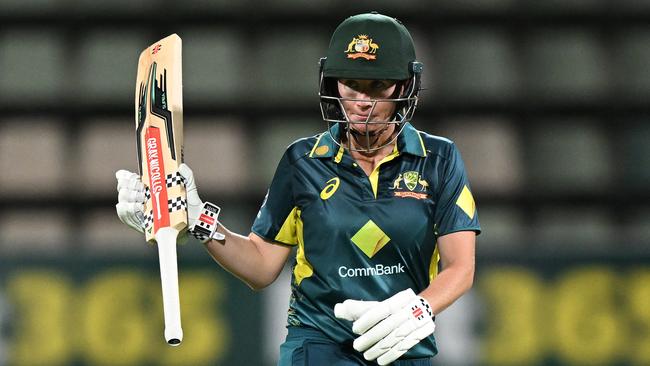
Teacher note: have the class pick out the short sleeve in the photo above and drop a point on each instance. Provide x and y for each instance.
(456, 209)
(277, 218)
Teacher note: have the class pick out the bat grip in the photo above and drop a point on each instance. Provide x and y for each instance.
(166, 239)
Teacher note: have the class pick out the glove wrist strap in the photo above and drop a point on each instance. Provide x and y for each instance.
(425, 307)
(206, 225)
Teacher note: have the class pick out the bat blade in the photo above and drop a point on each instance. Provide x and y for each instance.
(159, 130)
(159, 136)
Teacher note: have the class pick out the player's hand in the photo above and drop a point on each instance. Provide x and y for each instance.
(130, 199)
(202, 217)
(388, 328)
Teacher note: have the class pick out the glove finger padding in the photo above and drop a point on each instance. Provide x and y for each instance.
(124, 174)
(129, 195)
(401, 328)
(131, 198)
(385, 344)
(131, 213)
(382, 310)
(190, 185)
(380, 331)
(127, 179)
(194, 202)
(406, 344)
(352, 309)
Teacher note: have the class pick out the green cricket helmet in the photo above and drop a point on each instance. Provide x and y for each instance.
(370, 46)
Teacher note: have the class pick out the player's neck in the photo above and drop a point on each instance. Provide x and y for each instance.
(368, 146)
(368, 160)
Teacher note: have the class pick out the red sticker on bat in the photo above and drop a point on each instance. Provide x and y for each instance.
(157, 184)
(207, 219)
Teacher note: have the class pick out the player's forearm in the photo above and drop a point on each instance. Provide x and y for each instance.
(242, 257)
(448, 286)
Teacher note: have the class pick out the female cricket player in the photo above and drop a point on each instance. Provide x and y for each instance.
(374, 206)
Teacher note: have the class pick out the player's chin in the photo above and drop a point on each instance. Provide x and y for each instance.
(362, 133)
(370, 126)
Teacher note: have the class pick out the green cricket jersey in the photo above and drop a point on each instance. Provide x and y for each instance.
(364, 237)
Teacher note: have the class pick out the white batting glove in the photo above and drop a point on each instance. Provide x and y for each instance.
(202, 217)
(388, 328)
(130, 199)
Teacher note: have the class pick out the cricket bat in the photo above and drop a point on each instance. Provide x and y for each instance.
(159, 134)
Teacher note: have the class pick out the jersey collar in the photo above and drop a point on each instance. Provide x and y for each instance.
(409, 141)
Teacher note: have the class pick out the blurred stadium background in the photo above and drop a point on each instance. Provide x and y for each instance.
(547, 100)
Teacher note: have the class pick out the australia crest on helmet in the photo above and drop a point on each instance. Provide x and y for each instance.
(362, 46)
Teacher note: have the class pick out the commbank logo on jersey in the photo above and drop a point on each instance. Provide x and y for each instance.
(370, 239)
(410, 184)
(362, 46)
(376, 270)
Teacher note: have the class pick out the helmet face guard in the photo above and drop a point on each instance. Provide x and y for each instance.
(334, 113)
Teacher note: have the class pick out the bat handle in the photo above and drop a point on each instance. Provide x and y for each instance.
(166, 239)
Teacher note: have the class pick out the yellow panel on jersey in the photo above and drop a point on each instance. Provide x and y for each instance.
(303, 268)
(339, 155)
(291, 233)
(466, 202)
(288, 232)
(433, 266)
(374, 176)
